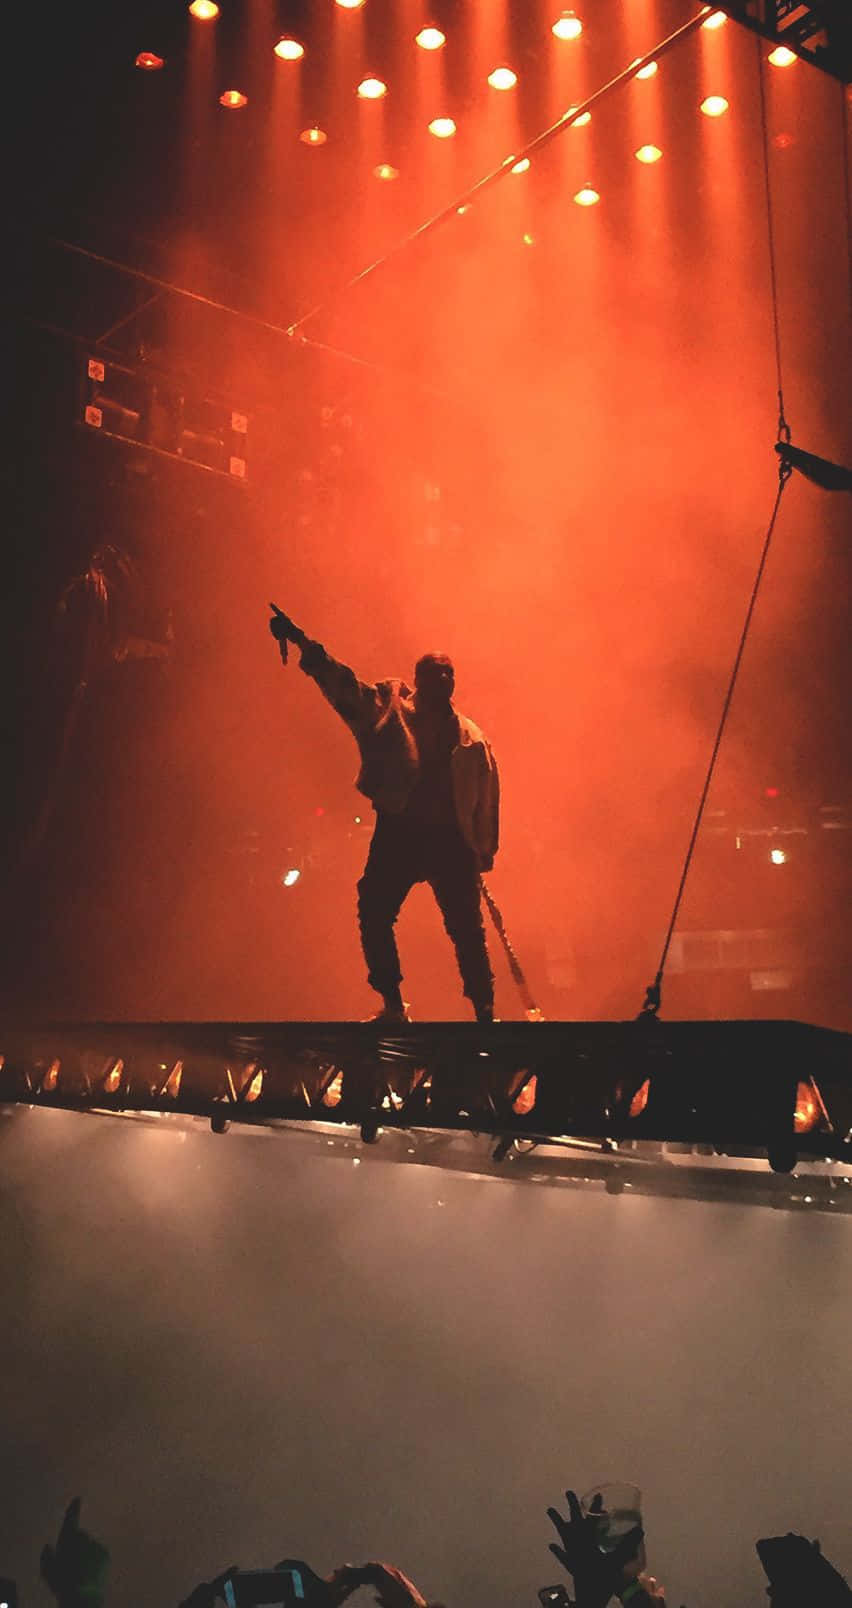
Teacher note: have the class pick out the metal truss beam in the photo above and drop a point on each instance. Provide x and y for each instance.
(819, 31)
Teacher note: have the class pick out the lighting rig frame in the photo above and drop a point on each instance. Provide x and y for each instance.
(819, 31)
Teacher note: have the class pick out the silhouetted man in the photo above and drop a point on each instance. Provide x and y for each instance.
(431, 778)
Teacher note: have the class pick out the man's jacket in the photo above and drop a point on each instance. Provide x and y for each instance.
(380, 717)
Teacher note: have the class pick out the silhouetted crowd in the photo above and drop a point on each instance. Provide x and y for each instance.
(76, 1570)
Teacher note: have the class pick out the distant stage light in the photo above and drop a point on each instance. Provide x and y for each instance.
(233, 99)
(443, 128)
(524, 1101)
(714, 106)
(782, 57)
(385, 171)
(204, 10)
(350, 5)
(291, 877)
(371, 88)
(334, 1090)
(579, 122)
(587, 197)
(650, 71)
(148, 61)
(782, 142)
(430, 39)
(313, 135)
(648, 153)
(778, 856)
(714, 21)
(502, 78)
(567, 26)
(288, 49)
(522, 166)
(528, 239)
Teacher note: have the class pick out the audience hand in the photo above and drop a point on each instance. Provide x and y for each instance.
(597, 1575)
(76, 1568)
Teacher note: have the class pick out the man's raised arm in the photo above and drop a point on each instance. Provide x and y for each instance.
(357, 702)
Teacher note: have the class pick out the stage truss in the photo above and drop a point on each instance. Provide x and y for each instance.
(675, 1108)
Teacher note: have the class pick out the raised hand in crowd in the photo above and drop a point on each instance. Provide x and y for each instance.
(393, 1588)
(598, 1576)
(76, 1568)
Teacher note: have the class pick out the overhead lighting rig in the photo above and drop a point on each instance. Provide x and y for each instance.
(820, 32)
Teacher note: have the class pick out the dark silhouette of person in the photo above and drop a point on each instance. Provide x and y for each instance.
(430, 775)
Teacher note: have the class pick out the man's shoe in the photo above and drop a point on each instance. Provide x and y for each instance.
(390, 1013)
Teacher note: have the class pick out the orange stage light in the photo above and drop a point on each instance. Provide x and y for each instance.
(289, 49)
(587, 197)
(778, 856)
(351, 5)
(810, 1110)
(782, 57)
(648, 72)
(648, 153)
(384, 171)
(640, 1099)
(313, 136)
(502, 78)
(714, 106)
(149, 61)
(568, 26)
(334, 1092)
(524, 1101)
(715, 21)
(522, 166)
(443, 128)
(204, 10)
(430, 39)
(371, 88)
(233, 98)
(579, 122)
(528, 239)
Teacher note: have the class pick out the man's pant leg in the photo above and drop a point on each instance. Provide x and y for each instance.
(454, 881)
(389, 876)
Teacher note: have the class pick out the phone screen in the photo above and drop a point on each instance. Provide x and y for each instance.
(265, 1588)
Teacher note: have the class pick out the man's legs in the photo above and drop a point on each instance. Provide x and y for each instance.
(454, 880)
(389, 875)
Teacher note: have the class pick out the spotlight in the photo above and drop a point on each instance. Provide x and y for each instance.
(810, 1110)
(313, 135)
(648, 153)
(579, 122)
(430, 39)
(778, 856)
(782, 57)
(528, 239)
(289, 49)
(350, 5)
(568, 26)
(204, 10)
(147, 60)
(371, 88)
(715, 21)
(522, 166)
(502, 78)
(383, 171)
(443, 128)
(524, 1100)
(587, 197)
(291, 877)
(649, 71)
(233, 99)
(714, 106)
(333, 1092)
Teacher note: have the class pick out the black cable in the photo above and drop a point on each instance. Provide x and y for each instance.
(783, 426)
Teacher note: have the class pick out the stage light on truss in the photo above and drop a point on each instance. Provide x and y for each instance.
(522, 166)
(587, 197)
(524, 1100)
(288, 49)
(782, 57)
(502, 78)
(778, 856)
(148, 61)
(443, 128)
(649, 71)
(714, 106)
(372, 88)
(313, 135)
(715, 20)
(51, 1077)
(233, 99)
(290, 877)
(253, 1082)
(333, 1093)
(579, 122)
(648, 154)
(810, 1110)
(111, 1080)
(204, 10)
(640, 1099)
(430, 39)
(567, 26)
(385, 170)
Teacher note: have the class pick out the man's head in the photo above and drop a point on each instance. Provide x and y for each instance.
(434, 680)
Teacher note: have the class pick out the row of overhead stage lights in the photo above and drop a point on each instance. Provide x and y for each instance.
(567, 26)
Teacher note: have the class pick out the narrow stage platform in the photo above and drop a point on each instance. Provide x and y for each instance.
(776, 1090)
